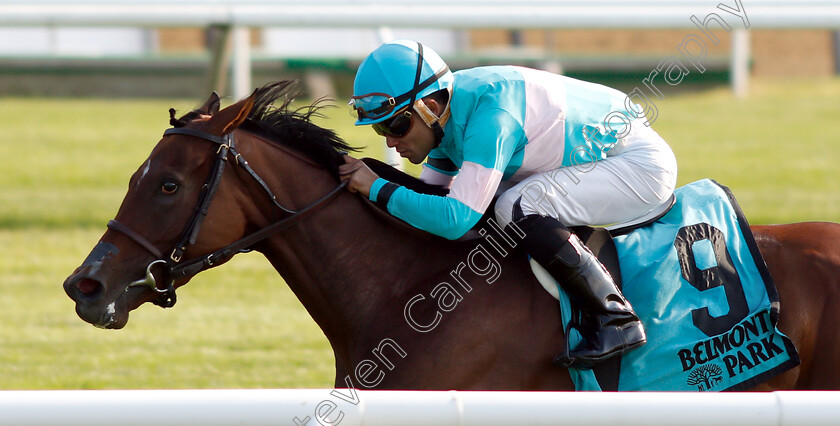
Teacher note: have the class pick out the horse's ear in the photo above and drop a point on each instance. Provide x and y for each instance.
(231, 117)
(211, 106)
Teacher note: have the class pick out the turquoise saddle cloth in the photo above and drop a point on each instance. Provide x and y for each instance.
(709, 306)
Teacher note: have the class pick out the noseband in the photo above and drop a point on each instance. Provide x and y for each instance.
(172, 263)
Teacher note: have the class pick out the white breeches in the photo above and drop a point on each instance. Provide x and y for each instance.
(638, 175)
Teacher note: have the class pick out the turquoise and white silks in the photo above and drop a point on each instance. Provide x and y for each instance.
(508, 123)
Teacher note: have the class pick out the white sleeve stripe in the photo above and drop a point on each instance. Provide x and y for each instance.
(475, 186)
(432, 176)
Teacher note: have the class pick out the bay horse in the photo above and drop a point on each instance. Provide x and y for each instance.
(402, 309)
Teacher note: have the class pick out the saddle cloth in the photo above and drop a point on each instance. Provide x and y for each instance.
(696, 279)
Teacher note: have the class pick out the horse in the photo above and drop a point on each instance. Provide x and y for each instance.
(401, 308)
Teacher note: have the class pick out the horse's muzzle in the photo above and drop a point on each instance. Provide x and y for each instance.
(88, 293)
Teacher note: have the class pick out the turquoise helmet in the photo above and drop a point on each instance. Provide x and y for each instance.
(395, 75)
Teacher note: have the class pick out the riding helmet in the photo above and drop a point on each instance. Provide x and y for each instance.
(395, 75)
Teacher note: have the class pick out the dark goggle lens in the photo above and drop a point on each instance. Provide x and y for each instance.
(396, 127)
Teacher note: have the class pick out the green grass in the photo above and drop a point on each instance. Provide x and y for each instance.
(238, 326)
(66, 163)
(777, 150)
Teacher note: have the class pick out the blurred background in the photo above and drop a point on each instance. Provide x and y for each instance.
(85, 87)
(93, 54)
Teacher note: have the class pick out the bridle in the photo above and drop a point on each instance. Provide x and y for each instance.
(172, 263)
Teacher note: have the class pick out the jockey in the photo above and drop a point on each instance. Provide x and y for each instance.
(564, 152)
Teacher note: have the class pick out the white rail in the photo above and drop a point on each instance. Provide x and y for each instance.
(457, 14)
(408, 408)
(426, 14)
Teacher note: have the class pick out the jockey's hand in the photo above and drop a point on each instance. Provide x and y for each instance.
(359, 176)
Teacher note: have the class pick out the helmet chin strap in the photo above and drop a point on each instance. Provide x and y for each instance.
(432, 120)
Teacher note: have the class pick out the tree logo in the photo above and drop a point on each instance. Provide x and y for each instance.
(705, 377)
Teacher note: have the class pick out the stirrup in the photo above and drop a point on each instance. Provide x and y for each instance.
(564, 360)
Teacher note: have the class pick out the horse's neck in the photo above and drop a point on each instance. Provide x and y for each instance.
(349, 268)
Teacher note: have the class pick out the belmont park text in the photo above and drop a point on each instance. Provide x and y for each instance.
(746, 346)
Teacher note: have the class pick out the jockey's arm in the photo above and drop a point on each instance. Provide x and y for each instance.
(451, 216)
(486, 151)
(443, 216)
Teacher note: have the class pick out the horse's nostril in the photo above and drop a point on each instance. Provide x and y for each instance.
(89, 287)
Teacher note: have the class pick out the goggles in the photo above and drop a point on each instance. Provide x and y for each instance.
(397, 126)
(373, 106)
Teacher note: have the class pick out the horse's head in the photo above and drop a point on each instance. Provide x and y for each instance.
(183, 213)
(158, 221)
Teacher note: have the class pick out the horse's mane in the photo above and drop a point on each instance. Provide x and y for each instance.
(274, 117)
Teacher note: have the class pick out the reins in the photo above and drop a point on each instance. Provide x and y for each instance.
(175, 269)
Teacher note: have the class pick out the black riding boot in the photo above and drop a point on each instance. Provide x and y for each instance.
(608, 326)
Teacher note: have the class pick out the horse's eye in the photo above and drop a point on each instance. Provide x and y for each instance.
(169, 187)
